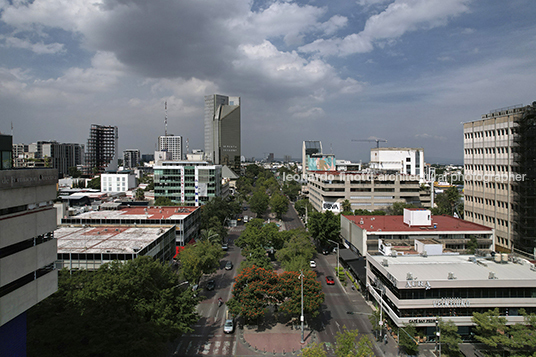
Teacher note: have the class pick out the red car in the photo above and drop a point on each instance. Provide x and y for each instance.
(330, 280)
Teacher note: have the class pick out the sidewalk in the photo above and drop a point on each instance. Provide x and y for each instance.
(278, 340)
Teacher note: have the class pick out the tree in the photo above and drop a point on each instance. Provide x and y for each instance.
(163, 201)
(139, 195)
(290, 287)
(210, 235)
(291, 189)
(346, 207)
(259, 202)
(74, 172)
(300, 206)
(472, 245)
(448, 201)
(324, 226)
(279, 204)
(398, 208)
(198, 259)
(255, 256)
(298, 247)
(314, 350)
(94, 183)
(347, 346)
(490, 328)
(122, 309)
(449, 338)
(406, 336)
(254, 289)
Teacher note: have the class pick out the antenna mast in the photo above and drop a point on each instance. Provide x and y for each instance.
(165, 121)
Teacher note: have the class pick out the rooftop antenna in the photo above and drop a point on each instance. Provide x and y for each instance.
(187, 146)
(165, 121)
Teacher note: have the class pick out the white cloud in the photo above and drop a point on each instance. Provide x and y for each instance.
(398, 18)
(39, 48)
(334, 24)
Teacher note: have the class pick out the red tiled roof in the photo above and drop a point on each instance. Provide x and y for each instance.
(396, 224)
(155, 212)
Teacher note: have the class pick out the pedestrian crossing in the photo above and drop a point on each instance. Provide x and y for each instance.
(205, 348)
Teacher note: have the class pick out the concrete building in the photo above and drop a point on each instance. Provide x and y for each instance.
(407, 161)
(185, 219)
(102, 149)
(188, 183)
(173, 145)
(414, 289)
(131, 158)
(63, 156)
(27, 247)
(370, 191)
(223, 131)
(492, 174)
(367, 234)
(88, 247)
(309, 148)
(121, 181)
(19, 152)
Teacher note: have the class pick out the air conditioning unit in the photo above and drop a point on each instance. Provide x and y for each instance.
(409, 276)
(451, 276)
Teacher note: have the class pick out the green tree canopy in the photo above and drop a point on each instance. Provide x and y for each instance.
(259, 202)
(94, 183)
(279, 204)
(407, 341)
(300, 206)
(292, 189)
(200, 258)
(324, 226)
(139, 195)
(290, 287)
(298, 247)
(163, 201)
(74, 172)
(122, 309)
(449, 338)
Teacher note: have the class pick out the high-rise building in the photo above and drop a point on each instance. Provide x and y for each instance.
(223, 131)
(407, 161)
(27, 246)
(172, 144)
(63, 156)
(308, 149)
(131, 158)
(498, 151)
(188, 183)
(102, 148)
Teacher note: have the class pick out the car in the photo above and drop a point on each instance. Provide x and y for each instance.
(224, 246)
(330, 280)
(228, 327)
(211, 284)
(312, 264)
(228, 266)
(325, 251)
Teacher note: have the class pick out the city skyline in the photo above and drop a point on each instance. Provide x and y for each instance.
(408, 71)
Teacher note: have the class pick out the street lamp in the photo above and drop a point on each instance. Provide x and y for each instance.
(438, 334)
(301, 317)
(380, 323)
(329, 240)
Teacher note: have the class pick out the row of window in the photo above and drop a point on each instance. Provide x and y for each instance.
(488, 151)
(490, 168)
(490, 133)
(486, 218)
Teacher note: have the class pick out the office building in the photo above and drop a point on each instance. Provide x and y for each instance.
(63, 156)
(372, 234)
(309, 148)
(171, 144)
(102, 149)
(415, 289)
(131, 158)
(188, 183)
(186, 220)
(497, 152)
(364, 190)
(223, 131)
(121, 181)
(408, 161)
(27, 246)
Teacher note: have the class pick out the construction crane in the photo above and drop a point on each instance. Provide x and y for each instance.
(377, 141)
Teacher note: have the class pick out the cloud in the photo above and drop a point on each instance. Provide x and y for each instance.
(398, 18)
(430, 137)
(39, 48)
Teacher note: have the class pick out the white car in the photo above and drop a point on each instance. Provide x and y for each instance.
(312, 264)
(228, 327)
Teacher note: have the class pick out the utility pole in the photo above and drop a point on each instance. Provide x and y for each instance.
(301, 317)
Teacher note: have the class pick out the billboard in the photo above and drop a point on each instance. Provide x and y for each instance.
(321, 163)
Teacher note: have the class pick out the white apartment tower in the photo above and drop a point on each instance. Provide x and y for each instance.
(171, 144)
(405, 161)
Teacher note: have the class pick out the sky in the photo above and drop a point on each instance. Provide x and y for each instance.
(406, 71)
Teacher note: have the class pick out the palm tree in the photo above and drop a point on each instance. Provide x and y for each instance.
(210, 235)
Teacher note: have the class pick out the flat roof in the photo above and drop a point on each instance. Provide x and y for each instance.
(104, 239)
(437, 267)
(140, 212)
(393, 224)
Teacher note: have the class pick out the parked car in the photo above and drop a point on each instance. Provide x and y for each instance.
(211, 284)
(330, 280)
(224, 246)
(229, 266)
(228, 327)
(325, 251)
(312, 264)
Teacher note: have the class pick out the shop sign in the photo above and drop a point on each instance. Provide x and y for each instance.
(418, 284)
(451, 302)
(421, 321)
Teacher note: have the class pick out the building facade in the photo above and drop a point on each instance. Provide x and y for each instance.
(188, 183)
(369, 191)
(418, 290)
(309, 148)
(131, 158)
(63, 156)
(407, 161)
(102, 149)
(122, 181)
(223, 131)
(372, 234)
(173, 145)
(492, 175)
(27, 247)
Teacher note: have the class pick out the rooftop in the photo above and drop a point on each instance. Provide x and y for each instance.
(463, 268)
(101, 240)
(141, 212)
(396, 224)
